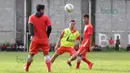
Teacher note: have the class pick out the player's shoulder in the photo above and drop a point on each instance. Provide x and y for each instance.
(65, 29)
(44, 15)
(90, 26)
(32, 16)
(77, 31)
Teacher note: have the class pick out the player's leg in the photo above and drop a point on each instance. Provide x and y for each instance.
(54, 57)
(73, 57)
(33, 50)
(28, 62)
(78, 53)
(79, 56)
(58, 52)
(45, 49)
(48, 63)
(90, 64)
(72, 53)
(78, 62)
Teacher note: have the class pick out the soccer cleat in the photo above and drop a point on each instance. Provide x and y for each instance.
(49, 68)
(49, 71)
(90, 65)
(77, 65)
(69, 63)
(48, 65)
(25, 68)
(76, 68)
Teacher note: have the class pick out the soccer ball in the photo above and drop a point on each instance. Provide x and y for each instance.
(69, 8)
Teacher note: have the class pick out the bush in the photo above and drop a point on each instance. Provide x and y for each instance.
(128, 47)
(109, 49)
(97, 48)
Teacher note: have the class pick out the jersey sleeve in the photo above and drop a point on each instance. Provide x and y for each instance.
(90, 30)
(30, 21)
(62, 34)
(77, 36)
(48, 21)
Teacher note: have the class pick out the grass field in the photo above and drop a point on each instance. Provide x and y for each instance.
(104, 62)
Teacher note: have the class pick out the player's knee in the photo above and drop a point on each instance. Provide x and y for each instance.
(32, 55)
(45, 53)
(56, 54)
(83, 57)
(74, 57)
(47, 58)
(79, 58)
(79, 54)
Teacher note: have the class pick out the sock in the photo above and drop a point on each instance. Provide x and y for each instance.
(48, 63)
(86, 60)
(29, 61)
(72, 58)
(78, 62)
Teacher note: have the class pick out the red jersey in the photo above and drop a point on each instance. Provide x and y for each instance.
(88, 30)
(110, 42)
(40, 24)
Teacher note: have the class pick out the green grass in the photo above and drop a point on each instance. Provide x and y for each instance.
(104, 62)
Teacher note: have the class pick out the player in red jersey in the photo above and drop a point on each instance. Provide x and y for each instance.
(40, 29)
(85, 45)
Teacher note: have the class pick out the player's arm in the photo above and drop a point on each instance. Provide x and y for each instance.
(49, 27)
(31, 27)
(78, 41)
(59, 41)
(90, 31)
(90, 37)
(90, 40)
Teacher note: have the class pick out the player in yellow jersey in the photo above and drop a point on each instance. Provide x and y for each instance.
(67, 41)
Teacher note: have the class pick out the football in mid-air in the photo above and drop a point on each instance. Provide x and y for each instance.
(69, 8)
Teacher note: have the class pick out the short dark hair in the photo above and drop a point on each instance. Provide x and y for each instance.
(86, 15)
(39, 7)
(72, 21)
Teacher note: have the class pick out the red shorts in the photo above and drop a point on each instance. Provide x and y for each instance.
(35, 46)
(62, 50)
(83, 49)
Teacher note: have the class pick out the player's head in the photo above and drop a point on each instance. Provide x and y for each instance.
(72, 24)
(111, 38)
(40, 8)
(117, 37)
(86, 19)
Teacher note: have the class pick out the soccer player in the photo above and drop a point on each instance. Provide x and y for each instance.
(85, 45)
(67, 40)
(111, 42)
(40, 29)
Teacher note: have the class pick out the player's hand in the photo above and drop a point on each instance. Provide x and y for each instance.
(31, 37)
(91, 48)
(56, 47)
